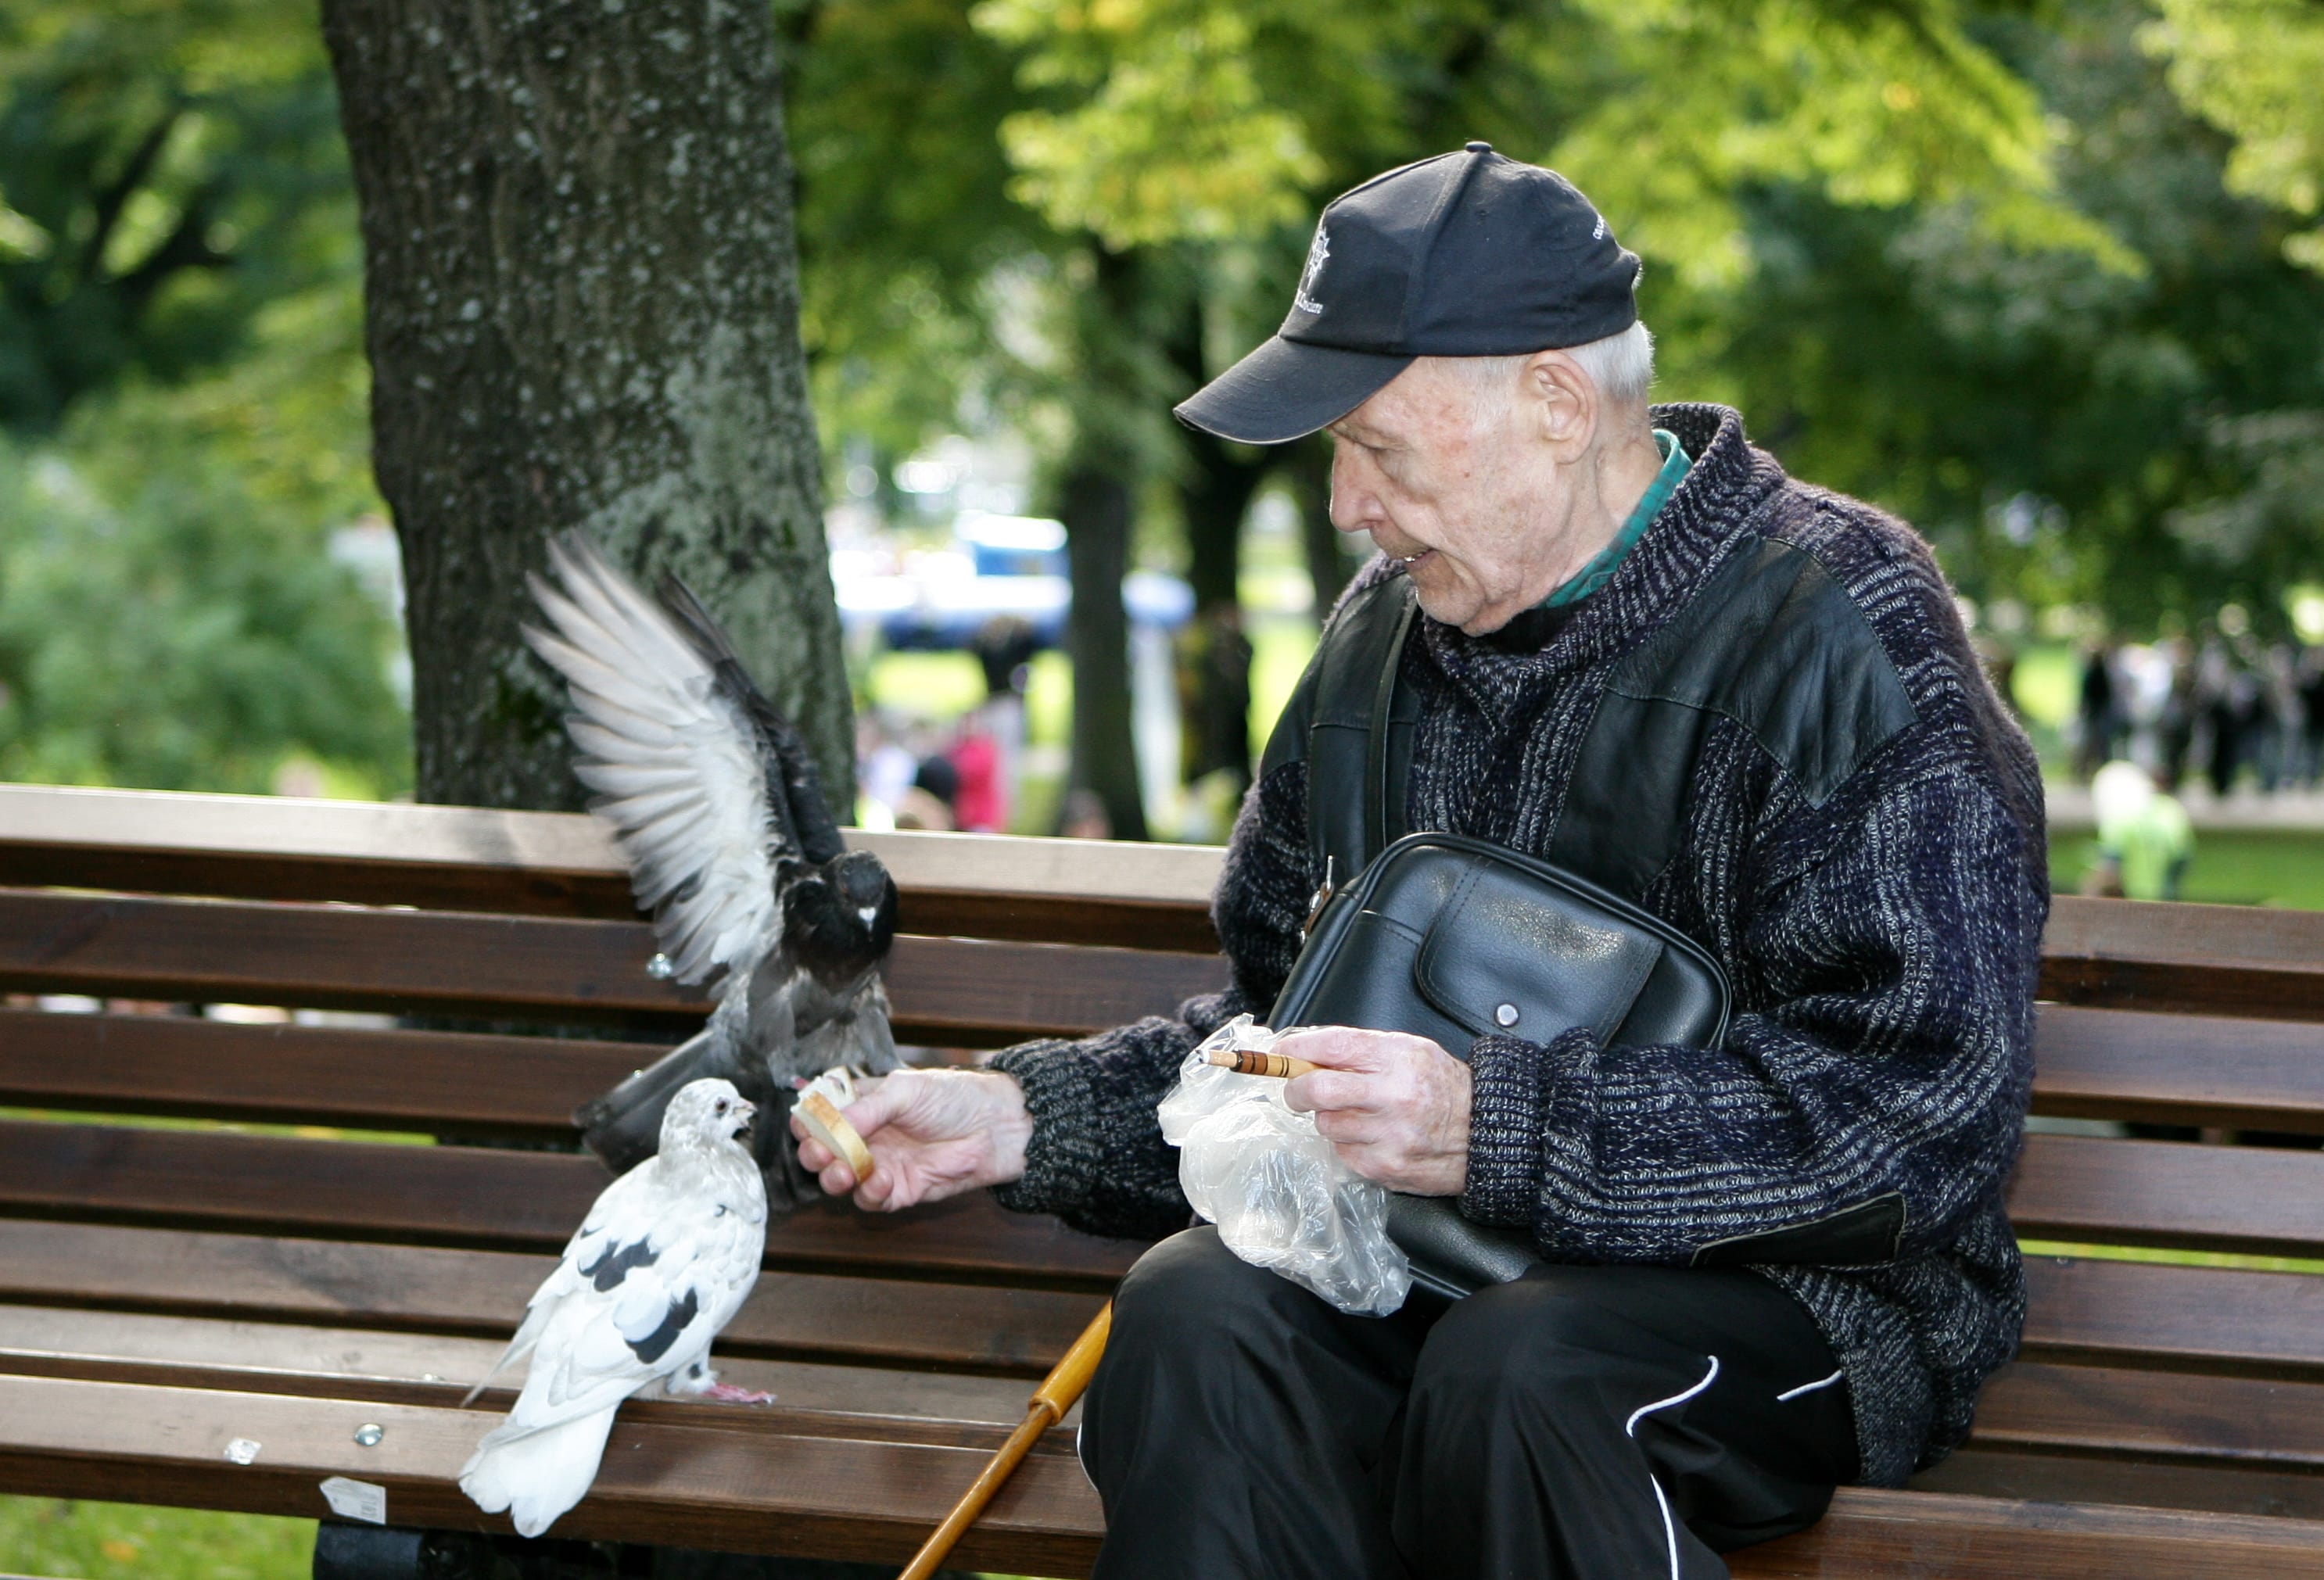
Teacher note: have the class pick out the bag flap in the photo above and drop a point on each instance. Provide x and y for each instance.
(1506, 954)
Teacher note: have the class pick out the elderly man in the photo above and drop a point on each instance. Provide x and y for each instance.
(1771, 1266)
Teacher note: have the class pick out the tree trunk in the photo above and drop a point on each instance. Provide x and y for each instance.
(1097, 499)
(582, 311)
(1330, 565)
(1095, 505)
(1215, 491)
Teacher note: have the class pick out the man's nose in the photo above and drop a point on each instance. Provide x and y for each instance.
(1354, 507)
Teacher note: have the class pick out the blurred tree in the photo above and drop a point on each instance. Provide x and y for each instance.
(167, 170)
(163, 627)
(181, 362)
(1190, 141)
(581, 311)
(2253, 67)
(2066, 432)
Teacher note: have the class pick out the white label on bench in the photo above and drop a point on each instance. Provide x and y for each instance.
(354, 1499)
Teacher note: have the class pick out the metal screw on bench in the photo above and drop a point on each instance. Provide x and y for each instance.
(369, 1434)
(658, 967)
(1046, 1408)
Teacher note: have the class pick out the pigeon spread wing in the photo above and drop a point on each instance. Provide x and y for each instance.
(690, 780)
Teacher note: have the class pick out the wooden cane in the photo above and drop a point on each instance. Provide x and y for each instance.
(1047, 1407)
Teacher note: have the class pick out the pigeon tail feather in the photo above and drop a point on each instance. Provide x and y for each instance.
(623, 1126)
(536, 1474)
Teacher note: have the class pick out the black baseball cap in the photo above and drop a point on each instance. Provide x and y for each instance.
(1466, 255)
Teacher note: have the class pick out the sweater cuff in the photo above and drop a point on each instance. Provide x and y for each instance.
(1063, 1156)
(1504, 1188)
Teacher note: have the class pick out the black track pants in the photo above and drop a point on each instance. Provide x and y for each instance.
(1583, 1423)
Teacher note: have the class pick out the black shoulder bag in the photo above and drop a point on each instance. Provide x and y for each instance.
(1452, 938)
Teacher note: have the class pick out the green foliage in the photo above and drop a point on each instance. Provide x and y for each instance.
(163, 625)
(182, 355)
(2065, 432)
(168, 169)
(2253, 67)
(1204, 120)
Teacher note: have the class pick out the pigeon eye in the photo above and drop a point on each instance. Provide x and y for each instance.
(722, 1105)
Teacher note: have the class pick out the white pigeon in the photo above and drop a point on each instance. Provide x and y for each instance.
(659, 1266)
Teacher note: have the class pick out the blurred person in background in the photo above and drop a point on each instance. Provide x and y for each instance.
(2099, 718)
(2144, 837)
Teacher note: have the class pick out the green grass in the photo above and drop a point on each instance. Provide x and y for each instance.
(234, 1126)
(2032, 1248)
(130, 1542)
(2046, 684)
(2236, 869)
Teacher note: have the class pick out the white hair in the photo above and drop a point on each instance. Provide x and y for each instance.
(1621, 366)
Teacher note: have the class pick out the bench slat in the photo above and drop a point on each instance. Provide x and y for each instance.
(409, 1368)
(2221, 959)
(855, 1498)
(2088, 1063)
(2141, 1314)
(2257, 1201)
(795, 1316)
(2161, 1315)
(1872, 1530)
(2153, 1415)
(2079, 1478)
(2224, 959)
(488, 1200)
(2180, 1068)
(563, 864)
(446, 963)
(708, 1486)
(2067, 1188)
(434, 1082)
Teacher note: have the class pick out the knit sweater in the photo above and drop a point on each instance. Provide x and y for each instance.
(1882, 941)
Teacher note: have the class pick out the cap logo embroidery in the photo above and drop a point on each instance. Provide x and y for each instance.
(1600, 232)
(1317, 250)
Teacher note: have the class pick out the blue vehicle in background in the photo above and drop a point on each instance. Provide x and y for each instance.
(997, 567)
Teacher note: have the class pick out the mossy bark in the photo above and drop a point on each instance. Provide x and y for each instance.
(582, 311)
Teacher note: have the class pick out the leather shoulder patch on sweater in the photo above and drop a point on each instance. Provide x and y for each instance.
(1777, 645)
(1857, 1237)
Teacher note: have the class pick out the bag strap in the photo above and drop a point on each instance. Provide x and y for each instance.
(1358, 730)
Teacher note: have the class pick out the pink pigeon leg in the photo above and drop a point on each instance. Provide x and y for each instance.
(736, 1394)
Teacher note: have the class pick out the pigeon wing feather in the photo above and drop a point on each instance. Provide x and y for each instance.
(680, 769)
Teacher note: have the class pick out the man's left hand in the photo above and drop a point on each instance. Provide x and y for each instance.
(1393, 1107)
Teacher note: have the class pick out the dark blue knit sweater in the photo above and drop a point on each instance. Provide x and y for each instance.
(1882, 940)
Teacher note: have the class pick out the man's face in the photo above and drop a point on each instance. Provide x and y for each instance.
(1472, 488)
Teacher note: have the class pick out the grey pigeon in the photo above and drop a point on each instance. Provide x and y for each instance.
(661, 1264)
(716, 806)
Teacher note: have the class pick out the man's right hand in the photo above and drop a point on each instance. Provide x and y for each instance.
(932, 1133)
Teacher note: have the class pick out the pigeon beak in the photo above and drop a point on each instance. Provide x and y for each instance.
(869, 913)
(744, 1112)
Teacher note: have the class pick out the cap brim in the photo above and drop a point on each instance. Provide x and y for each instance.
(1285, 391)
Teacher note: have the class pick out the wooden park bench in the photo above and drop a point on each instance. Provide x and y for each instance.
(169, 1290)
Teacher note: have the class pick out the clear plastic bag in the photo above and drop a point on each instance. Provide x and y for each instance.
(1280, 1195)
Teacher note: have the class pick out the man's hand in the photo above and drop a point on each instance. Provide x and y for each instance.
(933, 1134)
(1395, 1107)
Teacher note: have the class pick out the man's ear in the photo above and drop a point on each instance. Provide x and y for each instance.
(1563, 401)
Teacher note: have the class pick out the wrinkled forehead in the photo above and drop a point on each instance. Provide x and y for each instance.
(1432, 397)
